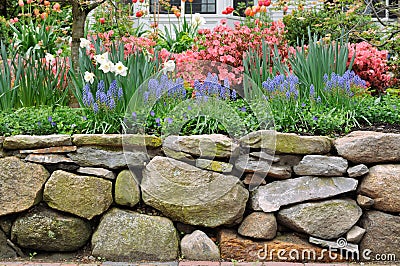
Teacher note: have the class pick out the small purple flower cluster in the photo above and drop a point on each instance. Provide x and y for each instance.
(344, 83)
(107, 100)
(164, 87)
(212, 88)
(282, 85)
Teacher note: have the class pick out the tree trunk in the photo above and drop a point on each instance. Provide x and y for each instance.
(78, 29)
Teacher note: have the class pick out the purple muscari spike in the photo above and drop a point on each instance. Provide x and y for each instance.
(325, 78)
(101, 86)
(120, 93)
(101, 97)
(87, 96)
(111, 103)
(312, 90)
(233, 95)
(95, 107)
(113, 88)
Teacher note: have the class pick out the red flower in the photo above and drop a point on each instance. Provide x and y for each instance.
(134, 1)
(102, 20)
(139, 14)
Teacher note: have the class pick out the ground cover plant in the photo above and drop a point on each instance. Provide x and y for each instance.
(228, 80)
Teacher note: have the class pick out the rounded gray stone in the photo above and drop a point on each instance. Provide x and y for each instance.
(48, 230)
(127, 191)
(198, 246)
(130, 236)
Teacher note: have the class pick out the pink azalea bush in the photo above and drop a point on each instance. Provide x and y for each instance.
(228, 45)
(371, 65)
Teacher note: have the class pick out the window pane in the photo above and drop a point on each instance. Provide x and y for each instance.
(201, 6)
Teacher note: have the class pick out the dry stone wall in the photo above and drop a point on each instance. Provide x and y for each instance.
(266, 196)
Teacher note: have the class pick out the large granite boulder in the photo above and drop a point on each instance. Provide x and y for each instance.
(382, 236)
(85, 196)
(48, 230)
(327, 219)
(127, 191)
(193, 196)
(20, 184)
(369, 147)
(130, 236)
(382, 184)
(321, 165)
(205, 146)
(89, 156)
(271, 197)
(198, 246)
(34, 142)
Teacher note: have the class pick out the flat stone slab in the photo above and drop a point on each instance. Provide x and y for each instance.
(321, 165)
(287, 142)
(89, 156)
(215, 166)
(327, 219)
(204, 146)
(100, 172)
(48, 158)
(271, 197)
(369, 147)
(35, 142)
(60, 149)
(116, 140)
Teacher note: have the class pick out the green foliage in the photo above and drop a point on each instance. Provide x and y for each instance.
(179, 38)
(42, 121)
(312, 63)
(31, 81)
(342, 19)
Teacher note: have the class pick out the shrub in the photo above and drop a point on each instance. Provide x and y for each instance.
(226, 45)
(330, 21)
(371, 65)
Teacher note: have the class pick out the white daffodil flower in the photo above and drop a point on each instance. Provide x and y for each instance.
(89, 77)
(50, 58)
(107, 66)
(85, 43)
(120, 69)
(198, 20)
(101, 58)
(169, 66)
